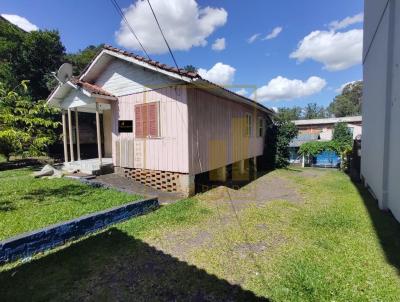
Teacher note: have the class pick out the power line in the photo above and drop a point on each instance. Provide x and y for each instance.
(162, 33)
(121, 13)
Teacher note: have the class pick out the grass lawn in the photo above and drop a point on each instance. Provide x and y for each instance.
(2, 158)
(332, 244)
(27, 203)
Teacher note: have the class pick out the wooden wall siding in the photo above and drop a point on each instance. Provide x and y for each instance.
(123, 78)
(216, 136)
(169, 152)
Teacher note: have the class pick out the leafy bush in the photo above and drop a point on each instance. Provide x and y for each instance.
(342, 144)
(26, 128)
(278, 137)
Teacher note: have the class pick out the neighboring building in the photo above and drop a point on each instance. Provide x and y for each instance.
(321, 130)
(380, 147)
(324, 127)
(157, 124)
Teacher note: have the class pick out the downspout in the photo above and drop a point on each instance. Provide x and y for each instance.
(389, 71)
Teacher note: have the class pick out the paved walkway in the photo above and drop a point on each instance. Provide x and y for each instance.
(128, 185)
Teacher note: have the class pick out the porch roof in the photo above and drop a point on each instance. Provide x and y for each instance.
(81, 95)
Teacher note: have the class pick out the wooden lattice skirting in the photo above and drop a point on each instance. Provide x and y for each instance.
(161, 180)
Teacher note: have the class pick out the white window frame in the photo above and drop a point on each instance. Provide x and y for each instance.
(261, 126)
(248, 125)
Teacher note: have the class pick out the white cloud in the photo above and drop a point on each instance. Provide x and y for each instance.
(220, 73)
(336, 50)
(219, 44)
(281, 88)
(274, 33)
(335, 25)
(253, 38)
(184, 24)
(21, 22)
(242, 91)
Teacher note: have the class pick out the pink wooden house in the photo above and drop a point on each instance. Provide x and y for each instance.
(159, 125)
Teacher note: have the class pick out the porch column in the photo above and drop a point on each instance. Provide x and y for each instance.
(78, 146)
(98, 133)
(64, 126)
(71, 140)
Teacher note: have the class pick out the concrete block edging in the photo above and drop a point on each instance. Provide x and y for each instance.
(33, 242)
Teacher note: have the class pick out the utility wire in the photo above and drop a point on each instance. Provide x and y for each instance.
(121, 13)
(162, 33)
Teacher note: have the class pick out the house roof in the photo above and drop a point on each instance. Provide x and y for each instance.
(179, 74)
(303, 138)
(334, 120)
(153, 63)
(92, 88)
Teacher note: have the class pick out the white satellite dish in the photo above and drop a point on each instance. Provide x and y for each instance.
(64, 73)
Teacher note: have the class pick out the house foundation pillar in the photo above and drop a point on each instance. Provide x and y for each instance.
(218, 174)
(186, 185)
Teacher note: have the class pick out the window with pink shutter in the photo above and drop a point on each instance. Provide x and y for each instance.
(146, 120)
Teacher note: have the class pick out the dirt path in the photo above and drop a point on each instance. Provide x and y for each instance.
(266, 188)
(229, 204)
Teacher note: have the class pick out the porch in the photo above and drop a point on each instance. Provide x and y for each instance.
(74, 97)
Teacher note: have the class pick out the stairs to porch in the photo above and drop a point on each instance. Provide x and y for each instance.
(91, 166)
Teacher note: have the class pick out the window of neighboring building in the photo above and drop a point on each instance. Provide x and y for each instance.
(147, 120)
(249, 125)
(261, 127)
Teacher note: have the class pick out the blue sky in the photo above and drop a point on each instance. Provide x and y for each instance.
(329, 54)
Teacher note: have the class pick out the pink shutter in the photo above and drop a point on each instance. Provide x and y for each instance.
(153, 119)
(145, 120)
(138, 121)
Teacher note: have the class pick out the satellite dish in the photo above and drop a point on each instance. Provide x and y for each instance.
(64, 73)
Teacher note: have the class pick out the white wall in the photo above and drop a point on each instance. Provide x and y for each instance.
(380, 165)
(124, 78)
(394, 136)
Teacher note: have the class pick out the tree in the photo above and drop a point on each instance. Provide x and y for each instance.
(83, 57)
(289, 114)
(190, 68)
(26, 128)
(41, 53)
(29, 55)
(342, 135)
(349, 102)
(312, 111)
(278, 138)
(11, 37)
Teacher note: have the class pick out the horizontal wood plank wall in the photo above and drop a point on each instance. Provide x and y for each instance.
(216, 136)
(169, 152)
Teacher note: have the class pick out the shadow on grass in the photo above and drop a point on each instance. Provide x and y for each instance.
(386, 227)
(20, 163)
(6, 206)
(114, 266)
(69, 190)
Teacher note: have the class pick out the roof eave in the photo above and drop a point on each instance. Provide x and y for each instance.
(135, 61)
(201, 83)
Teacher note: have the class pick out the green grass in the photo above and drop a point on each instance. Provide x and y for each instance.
(28, 203)
(332, 245)
(2, 158)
